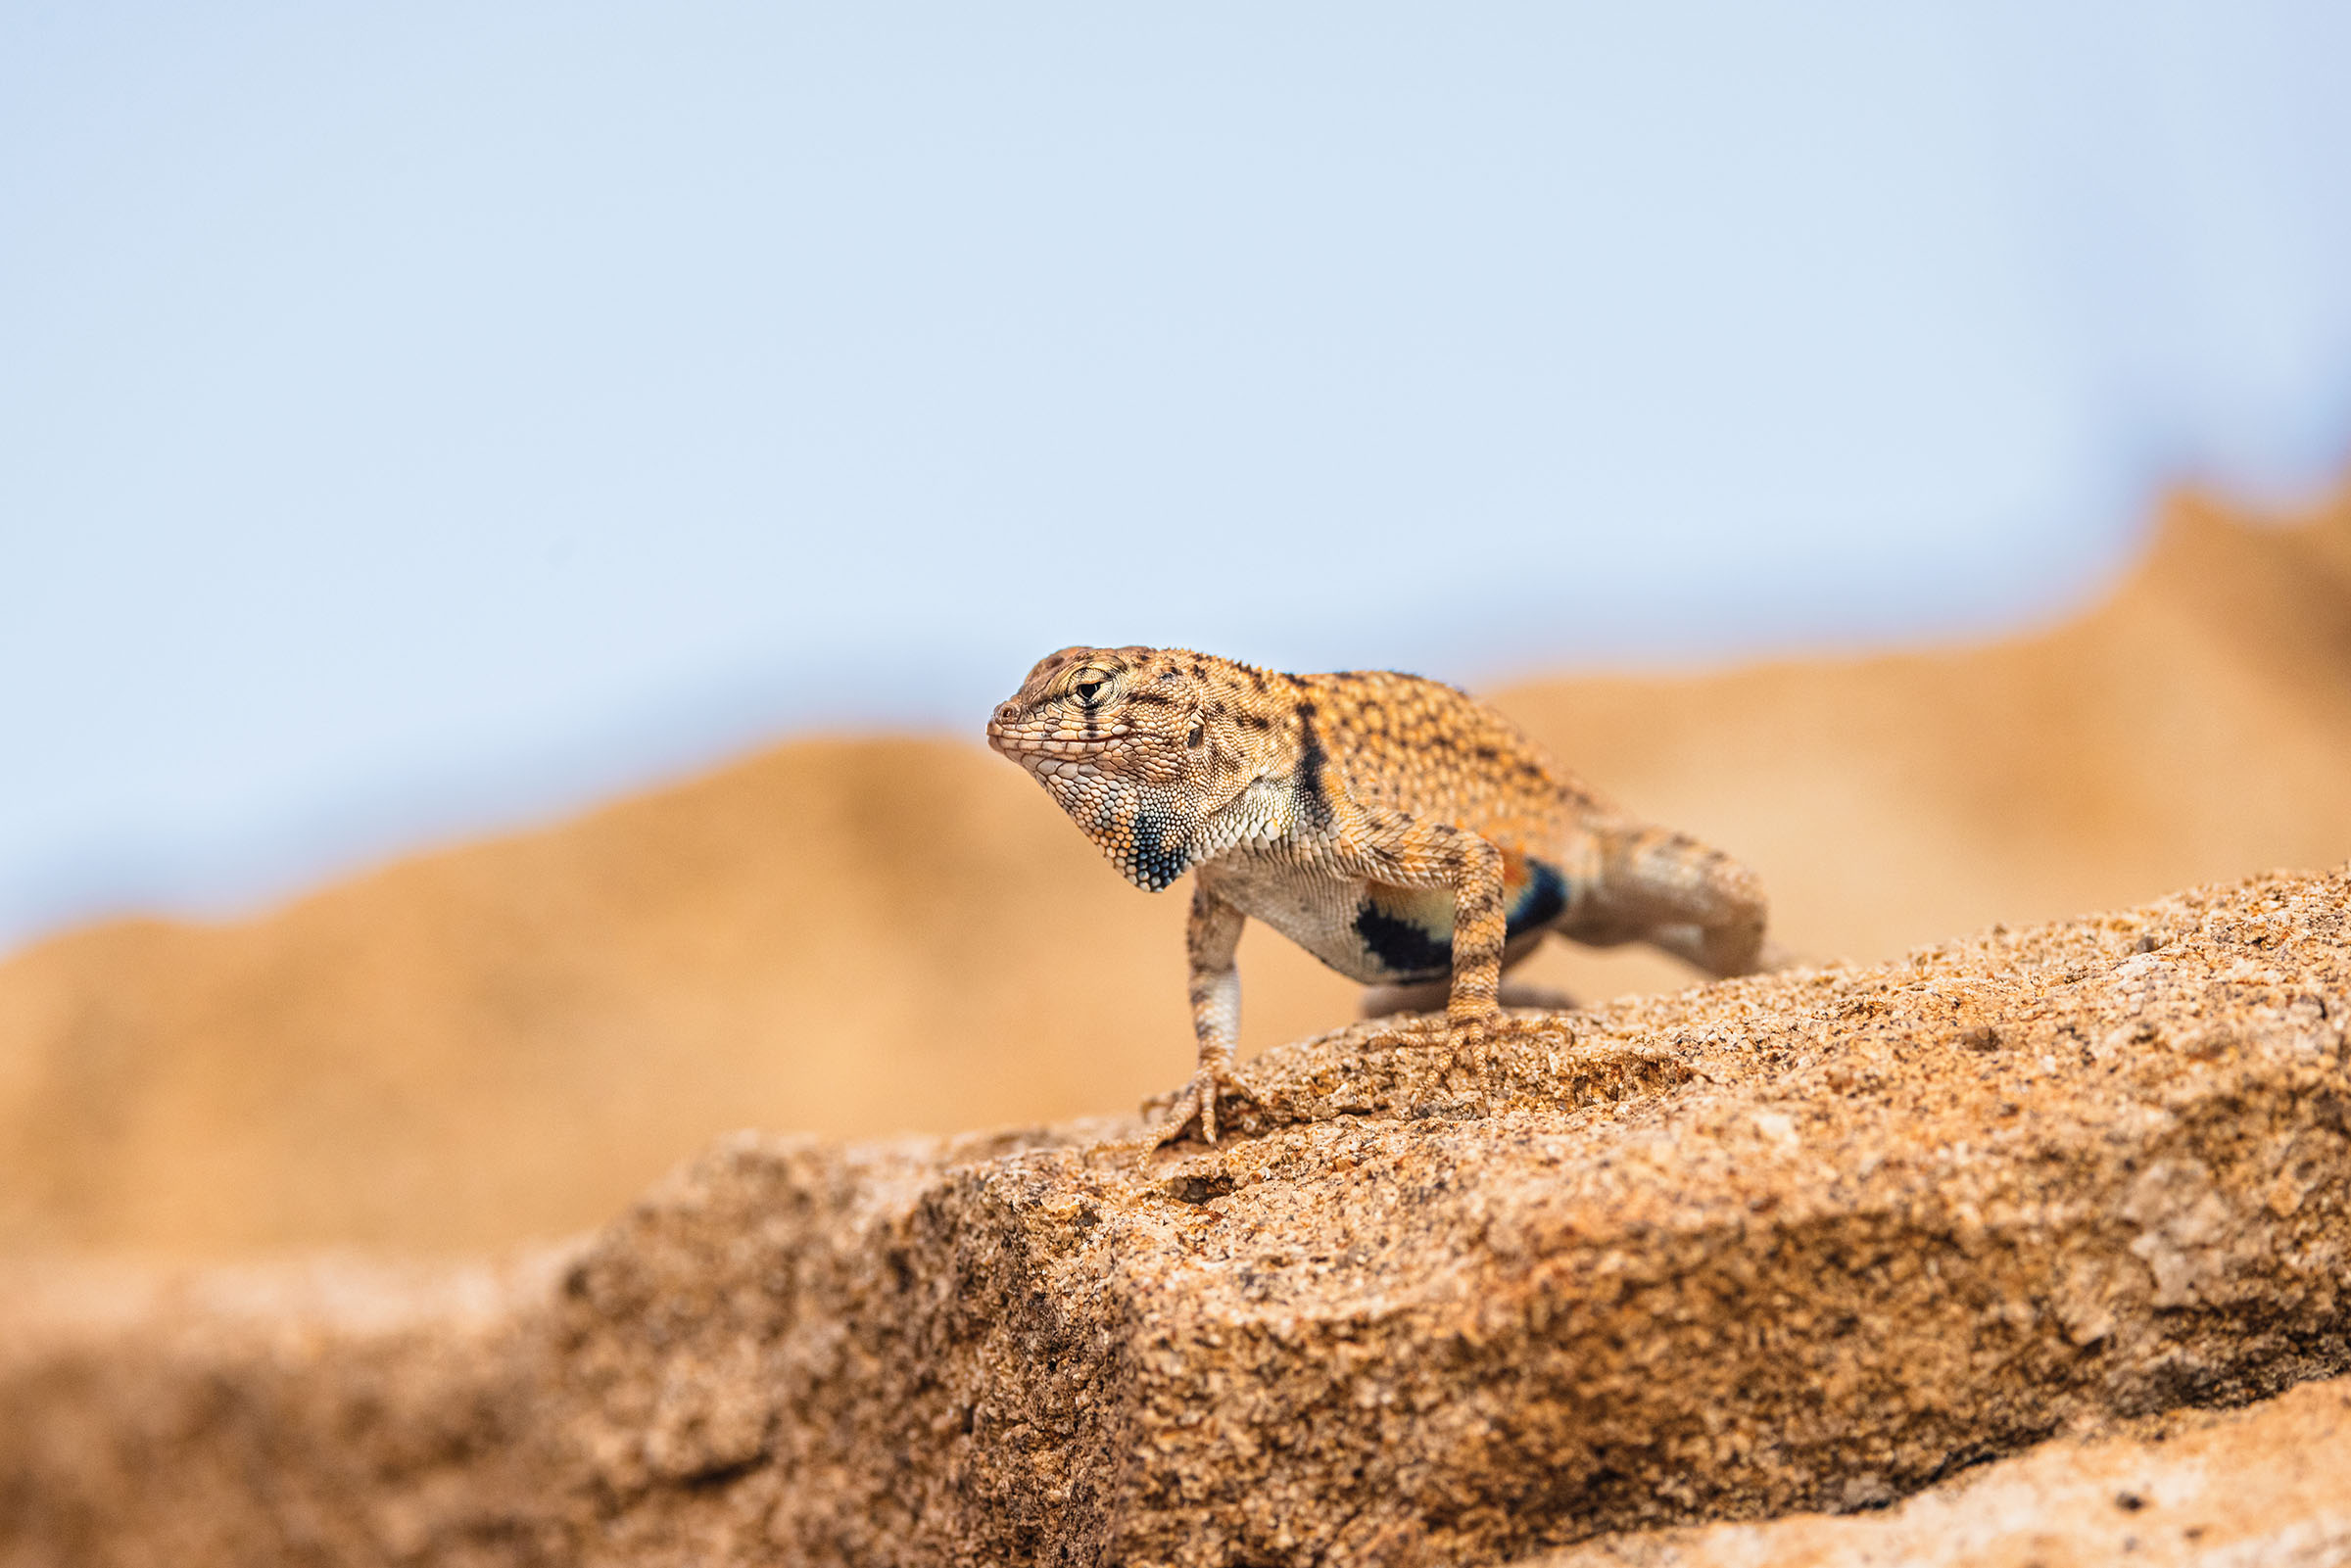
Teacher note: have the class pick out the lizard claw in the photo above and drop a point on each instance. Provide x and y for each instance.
(1469, 1042)
(1477, 1043)
(1196, 1101)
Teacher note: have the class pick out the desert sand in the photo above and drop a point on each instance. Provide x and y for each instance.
(856, 937)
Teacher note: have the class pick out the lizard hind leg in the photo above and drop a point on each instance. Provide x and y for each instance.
(1430, 996)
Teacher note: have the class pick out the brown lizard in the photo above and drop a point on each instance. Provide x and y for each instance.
(1397, 828)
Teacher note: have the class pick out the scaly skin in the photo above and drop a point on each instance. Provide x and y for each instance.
(1400, 830)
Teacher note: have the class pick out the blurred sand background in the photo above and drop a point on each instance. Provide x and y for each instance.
(862, 935)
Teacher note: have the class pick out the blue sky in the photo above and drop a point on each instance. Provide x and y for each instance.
(417, 420)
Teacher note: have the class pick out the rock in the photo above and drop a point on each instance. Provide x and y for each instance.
(1808, 1241)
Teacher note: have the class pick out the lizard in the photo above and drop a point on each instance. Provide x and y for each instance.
(1396, 827)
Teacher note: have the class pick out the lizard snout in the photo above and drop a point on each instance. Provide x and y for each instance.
(1000, 726)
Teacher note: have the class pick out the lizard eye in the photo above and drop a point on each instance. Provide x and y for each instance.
(1088, 686)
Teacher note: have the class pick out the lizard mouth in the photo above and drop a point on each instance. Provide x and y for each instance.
(1051, 755)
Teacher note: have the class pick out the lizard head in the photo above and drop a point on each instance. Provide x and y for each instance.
(1132, 742)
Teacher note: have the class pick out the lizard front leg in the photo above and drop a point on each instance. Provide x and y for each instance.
(1210, 939)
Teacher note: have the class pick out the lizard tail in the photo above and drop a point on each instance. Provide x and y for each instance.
(1690, 899)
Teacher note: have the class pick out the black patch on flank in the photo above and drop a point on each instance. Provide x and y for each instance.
(1311, 761)
(1409, 952)
(1541, 900)
(1257, 721)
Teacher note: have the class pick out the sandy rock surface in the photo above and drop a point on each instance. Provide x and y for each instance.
(1804, 1242)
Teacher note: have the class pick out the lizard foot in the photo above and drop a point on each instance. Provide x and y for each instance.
(1479, 1044)
(1196, 1102)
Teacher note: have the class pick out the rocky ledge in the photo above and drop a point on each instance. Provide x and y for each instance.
(1811, 1241)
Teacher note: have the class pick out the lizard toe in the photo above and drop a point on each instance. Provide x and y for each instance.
(1479, 1045)
(1196, 1103)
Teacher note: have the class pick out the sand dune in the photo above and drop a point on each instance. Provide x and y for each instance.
(855, 936)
